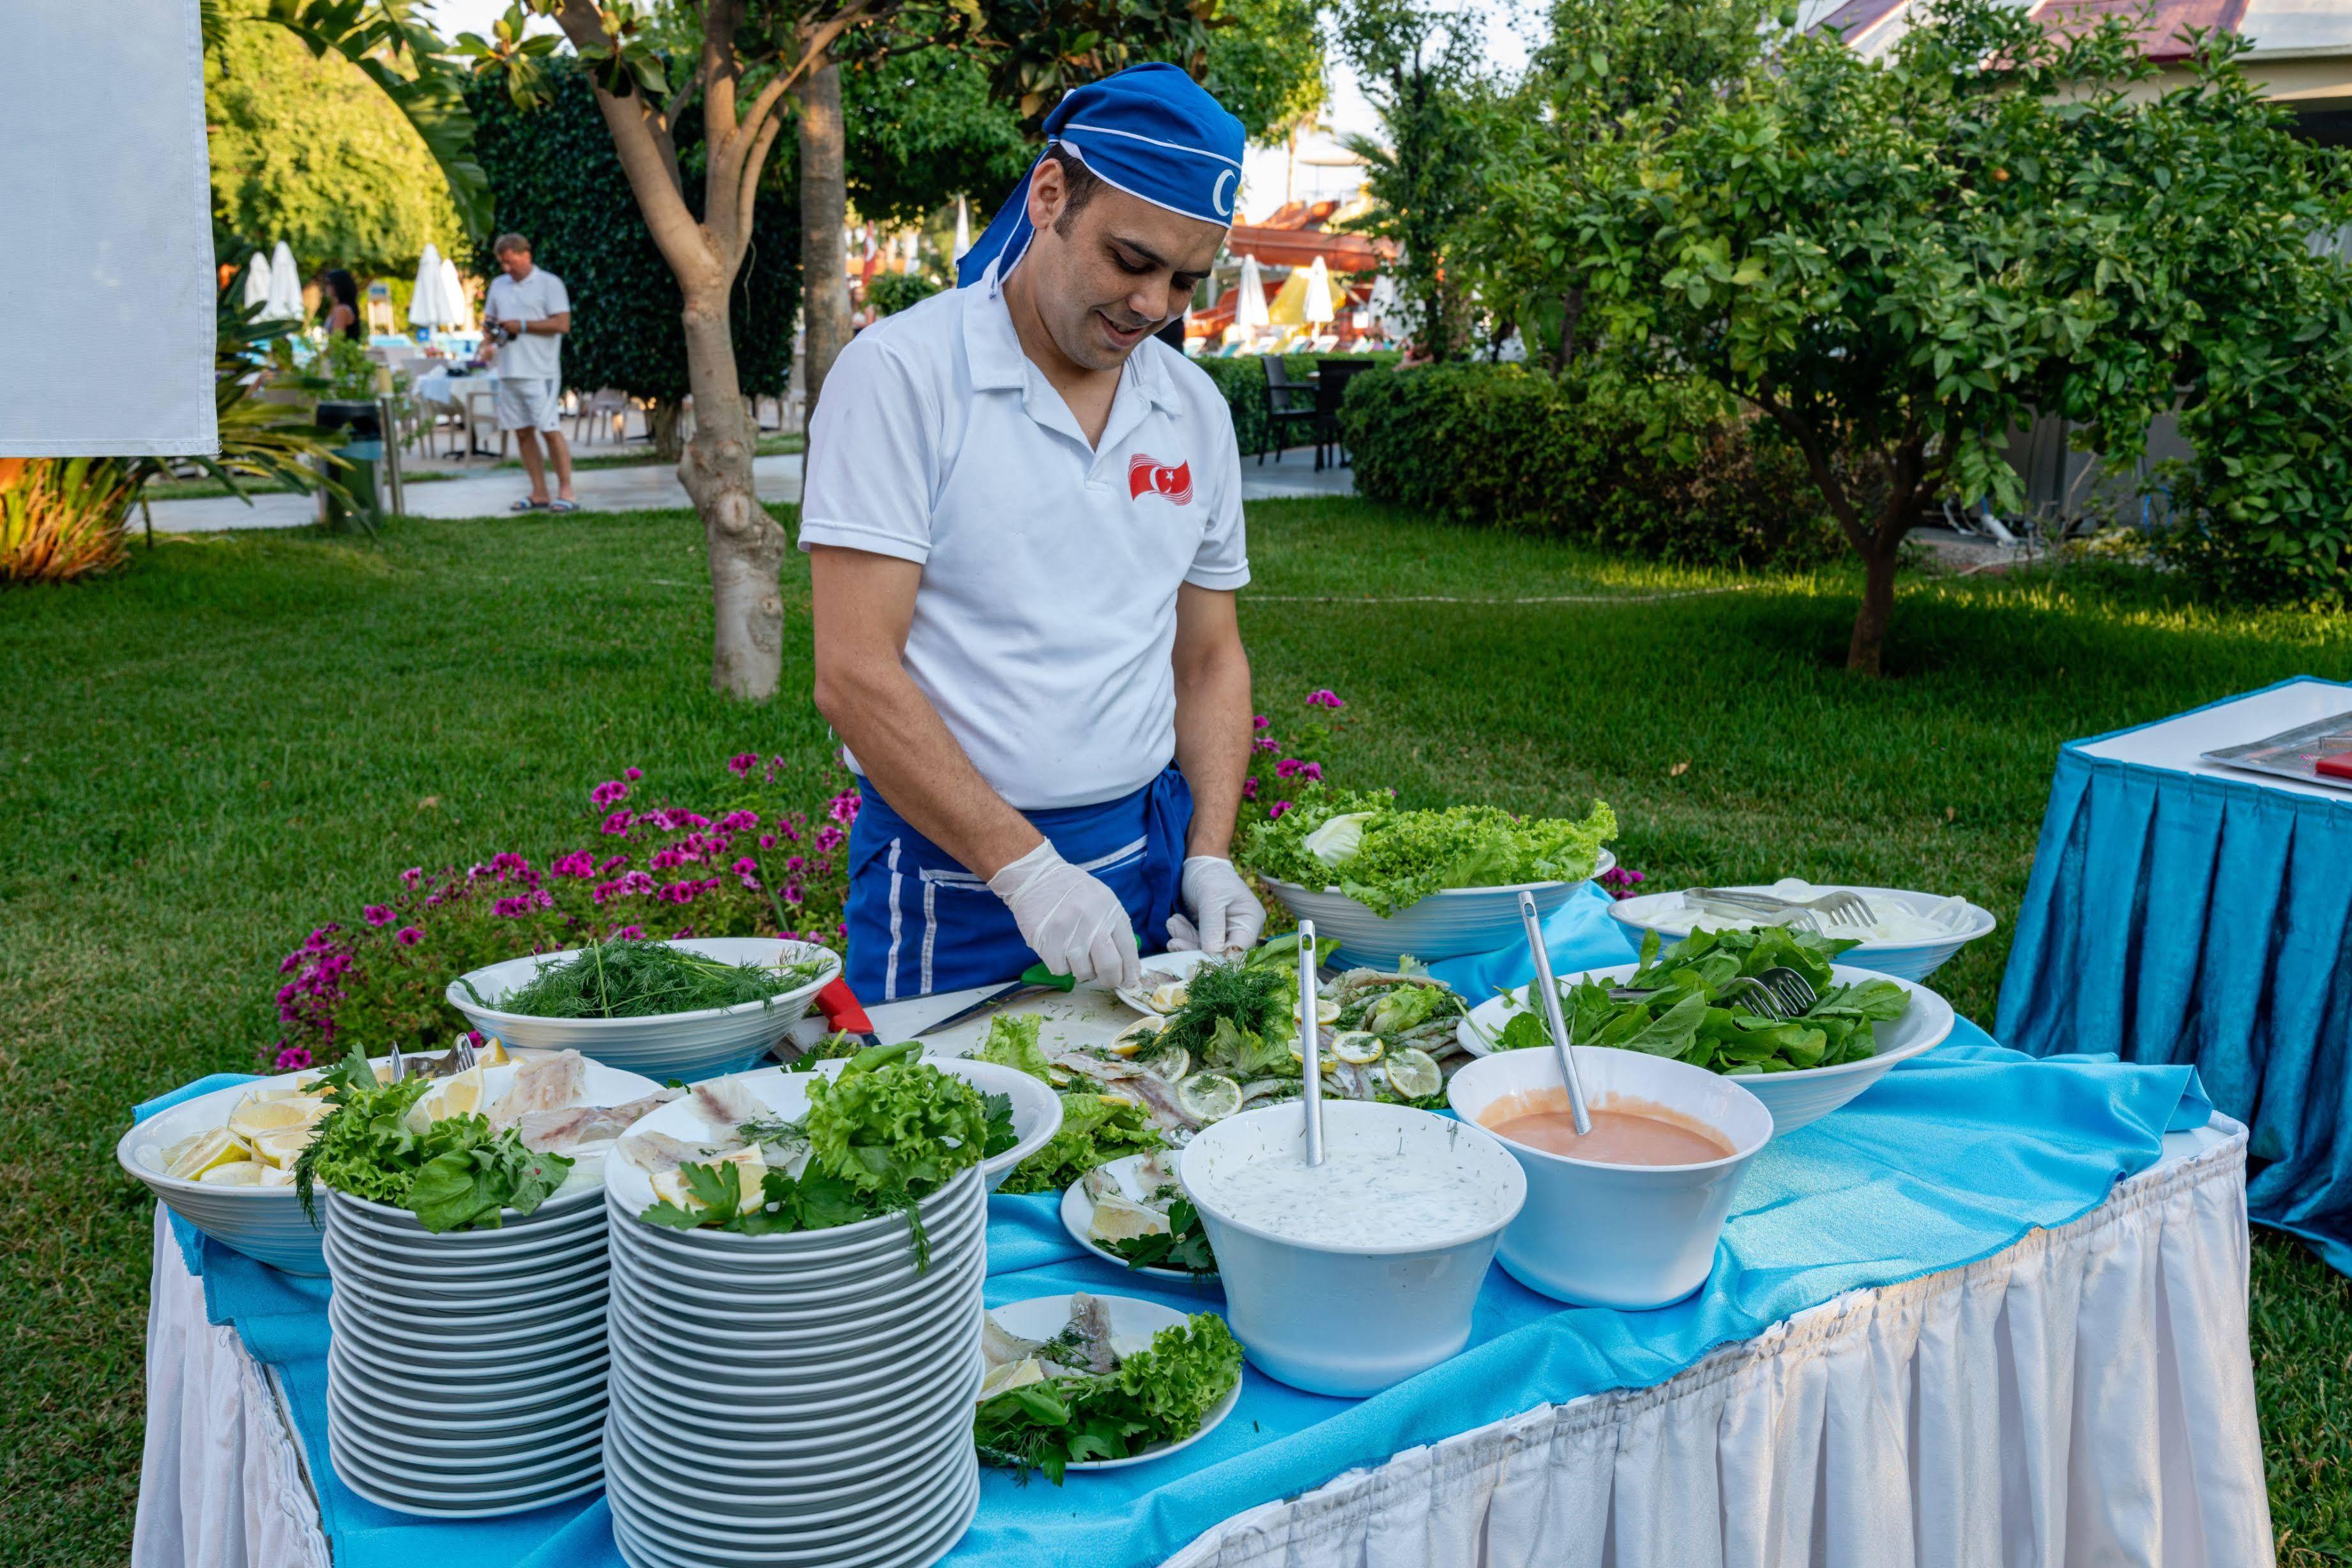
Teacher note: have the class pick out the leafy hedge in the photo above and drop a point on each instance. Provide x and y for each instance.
(1664, 468)
(1243, 381)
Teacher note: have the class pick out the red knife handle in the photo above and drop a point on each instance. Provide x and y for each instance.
(2337, 766)
(841, 1008)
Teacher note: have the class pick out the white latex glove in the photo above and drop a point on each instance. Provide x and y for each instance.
(1227, 916)
(1072, 920)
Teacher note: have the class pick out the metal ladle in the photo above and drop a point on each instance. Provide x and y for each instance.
(1559, 1041)
(1310, 1043)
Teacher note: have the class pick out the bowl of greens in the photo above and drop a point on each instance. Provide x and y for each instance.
(1802, 1068)
(1897, 931)
(684, 1009)
(1390, 882)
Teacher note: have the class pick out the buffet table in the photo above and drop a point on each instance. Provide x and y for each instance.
(2234, 891)
(2029, 1347)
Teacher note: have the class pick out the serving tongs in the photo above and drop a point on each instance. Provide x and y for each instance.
(1550, 988)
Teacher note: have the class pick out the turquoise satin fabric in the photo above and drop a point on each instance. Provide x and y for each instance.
(1953, 1156)
(2180, 918)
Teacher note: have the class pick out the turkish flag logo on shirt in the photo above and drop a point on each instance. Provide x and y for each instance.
(1148, 476)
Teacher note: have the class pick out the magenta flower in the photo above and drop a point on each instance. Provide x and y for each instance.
(1249, 789)
(1292, 767)
(413, 875)
(737, 822)
(1275, 811)
(377, 915)
(767, 840)
(629, 933)
(742, 762)
(843, 807)
(1259, 721)
(826, 839)
(578, 863)
(633, 774)
(1266, 743)
(611, 792)
(408, 935)
(293, 1059)
(1325, 698)
(617, 823)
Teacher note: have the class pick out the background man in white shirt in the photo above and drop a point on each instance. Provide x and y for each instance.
(528, 307)
(1024, 524)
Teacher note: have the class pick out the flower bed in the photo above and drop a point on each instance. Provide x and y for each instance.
(748, 863)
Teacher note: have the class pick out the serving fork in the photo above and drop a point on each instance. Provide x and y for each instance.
(1778, 993)
(1840, 907)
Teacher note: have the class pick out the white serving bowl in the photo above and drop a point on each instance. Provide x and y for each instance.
(1036, 1117)
(1798, 1098)
(673, 1045)
(1345, 1320)
(265, 1223)
(1629, 1237)
(1445, 925)
(1672, 918)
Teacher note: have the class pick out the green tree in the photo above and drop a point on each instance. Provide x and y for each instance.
(1897, 261)
(1421, 69)
(1265, 64)
(555, 179)
(922, 129)
(308, 151)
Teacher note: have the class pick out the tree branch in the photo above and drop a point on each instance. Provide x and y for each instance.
(648, 155)
(749, 190)
(1817, 460)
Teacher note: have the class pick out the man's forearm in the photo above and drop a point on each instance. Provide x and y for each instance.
(903, 745)
(1212, 744)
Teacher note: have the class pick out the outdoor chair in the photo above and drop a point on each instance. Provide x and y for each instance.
(1289, 404)
(1331, 379)
(606, 409)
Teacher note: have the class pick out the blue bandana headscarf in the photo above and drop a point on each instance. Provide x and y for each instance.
(1151, 132)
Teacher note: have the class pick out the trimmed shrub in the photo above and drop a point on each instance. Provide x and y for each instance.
(1666, 468)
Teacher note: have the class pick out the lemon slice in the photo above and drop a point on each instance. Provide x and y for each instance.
(1357, 1046)
(1209, 1096)
(459, 1096)
(255, 1116)
(276, 1176)
(1117, 1097)
(282, 1148)
(1413, 1074)
(190, 1161)
(1170, 1061)
(1167, 998)
(1011, 1375)
(751, 1170)
(1137, 1035)
(490, 1053)
(1298, 1054)
(1326, 1010)
(233, 1173)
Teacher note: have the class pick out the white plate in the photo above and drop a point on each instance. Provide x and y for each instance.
(1079, 1216)
(704, 1423)
(654, 1328)
(673, 1045)
(386, 1492)
(925, 1363)
(729, 1259)
(1043, 1317)
(404, 1340)
(545, 1465)
(773, 1441)
(444, 1440)
(1036, 1117)
(918, 1533)
(812, 1489)
(919, 1544)
(506, 1288)
(394, 1364)
(1672, 919)
(1158, 970)
(1795, 1098)
(538, 1404)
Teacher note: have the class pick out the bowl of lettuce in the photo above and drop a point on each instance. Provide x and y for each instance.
(1862, 1024)
(1388, 882)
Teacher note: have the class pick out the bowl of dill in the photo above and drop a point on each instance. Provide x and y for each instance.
(684, 1009)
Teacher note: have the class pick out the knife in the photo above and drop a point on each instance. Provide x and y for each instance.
(1036, 977)
(845, 1014)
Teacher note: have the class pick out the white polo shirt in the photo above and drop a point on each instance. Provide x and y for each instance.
(534, 355)
(1046, 622)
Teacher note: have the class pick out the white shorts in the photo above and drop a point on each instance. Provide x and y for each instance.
(534, 403)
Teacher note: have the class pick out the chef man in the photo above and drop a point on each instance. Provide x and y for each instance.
(1024, 518)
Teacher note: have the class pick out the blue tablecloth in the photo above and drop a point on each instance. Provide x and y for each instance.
(2177, 918)
(1954, 1157)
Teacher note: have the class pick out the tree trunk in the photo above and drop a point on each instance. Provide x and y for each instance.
(745, 545)
(1862, 653)
(824, 221)
(1572, 310)
(661, 429)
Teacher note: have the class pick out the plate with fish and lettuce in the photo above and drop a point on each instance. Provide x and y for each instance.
(1803, 1067)
(1084, 1382)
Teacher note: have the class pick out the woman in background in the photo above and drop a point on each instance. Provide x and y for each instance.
(343, 311)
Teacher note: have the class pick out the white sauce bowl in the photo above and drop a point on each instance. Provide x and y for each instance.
(1349, 1319)
(1629, 1237)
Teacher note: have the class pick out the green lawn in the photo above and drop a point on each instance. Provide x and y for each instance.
(244, 735)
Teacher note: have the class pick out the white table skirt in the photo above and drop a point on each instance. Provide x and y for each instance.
(2083, 1398)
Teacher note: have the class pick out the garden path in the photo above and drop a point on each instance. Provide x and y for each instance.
(645, 487)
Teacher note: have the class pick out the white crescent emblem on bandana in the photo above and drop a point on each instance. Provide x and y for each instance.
(1217, 199)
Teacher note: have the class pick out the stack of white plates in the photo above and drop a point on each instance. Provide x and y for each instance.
(465, 1371)
(793, 1399)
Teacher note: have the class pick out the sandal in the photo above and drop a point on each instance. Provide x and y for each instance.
(560, 505)
(527, 505)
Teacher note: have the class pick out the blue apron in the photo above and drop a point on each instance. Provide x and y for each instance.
(919, 923)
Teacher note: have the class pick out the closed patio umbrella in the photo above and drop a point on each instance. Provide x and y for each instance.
(963, 230)
(256, 280)
(1249, 312)
(426, 308)
(458, 312)
(1317, 302)
(285, 286)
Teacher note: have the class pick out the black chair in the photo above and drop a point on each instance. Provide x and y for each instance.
(1331, 379)
(1289, 405)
